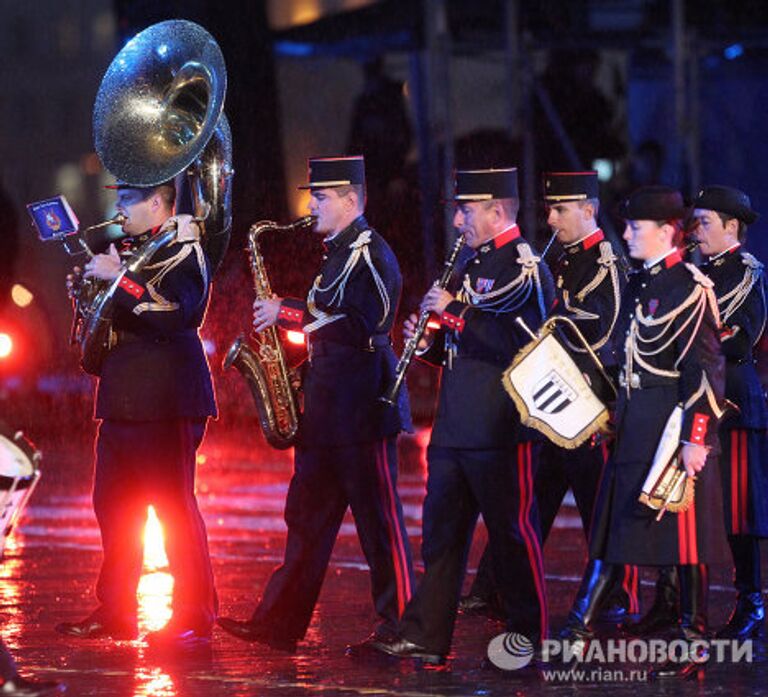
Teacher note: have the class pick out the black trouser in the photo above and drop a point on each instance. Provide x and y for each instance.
(139, 464)
(463, 483)
(325, 482)
(560, 469)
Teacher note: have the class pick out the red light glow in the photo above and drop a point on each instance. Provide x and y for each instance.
(156, 584)
(296, 338)
(6, 345)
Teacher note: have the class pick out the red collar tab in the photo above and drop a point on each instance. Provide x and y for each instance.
(506, 237)
(592, 239)
(672, 259)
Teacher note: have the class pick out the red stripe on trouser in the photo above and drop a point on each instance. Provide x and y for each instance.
(686, 536)
(735, 528)
(682, 538)
(532, 546)
(744, 483)
(630, 587)
(692, 532)
(399, 557)
(635, 595)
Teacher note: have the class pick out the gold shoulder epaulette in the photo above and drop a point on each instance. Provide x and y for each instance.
(750, 261)
(699, 277)
(607, 255)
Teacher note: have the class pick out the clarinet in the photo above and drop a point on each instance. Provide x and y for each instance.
(409, 350)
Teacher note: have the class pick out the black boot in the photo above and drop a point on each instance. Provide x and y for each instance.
(664, 611)
(622, 600)
(694, 592)
(596, 584)
(747, 619)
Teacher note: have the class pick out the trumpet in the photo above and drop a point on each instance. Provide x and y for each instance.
(409, 350)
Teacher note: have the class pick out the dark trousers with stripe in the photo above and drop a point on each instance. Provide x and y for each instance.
(744, 471)
(363, 477)
(139, 464)
(743, 467)
(560, 469)
(462, 483)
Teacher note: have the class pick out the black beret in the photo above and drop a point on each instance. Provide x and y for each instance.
(653, 203)
(725, 199)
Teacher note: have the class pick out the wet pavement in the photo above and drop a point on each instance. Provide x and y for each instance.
(52, 560)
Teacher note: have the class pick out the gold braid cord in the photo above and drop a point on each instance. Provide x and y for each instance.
(607, 263)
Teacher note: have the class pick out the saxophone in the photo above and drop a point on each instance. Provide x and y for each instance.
(261, 361)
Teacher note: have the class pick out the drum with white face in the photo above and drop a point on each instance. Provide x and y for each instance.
(19, 474)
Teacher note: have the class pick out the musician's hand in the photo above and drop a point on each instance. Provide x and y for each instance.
(106, 267)
(694, 458)
(74, 282)
(436, 300)
(409, 331)
(265, 313)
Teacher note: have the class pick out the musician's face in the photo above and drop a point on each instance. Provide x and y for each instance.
(647, 240)
(475, 220)
(334, 212)
(139, 210)
(571, 221)
(714, 236)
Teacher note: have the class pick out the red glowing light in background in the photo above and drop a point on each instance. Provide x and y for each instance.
(296, 338)
(6, 345)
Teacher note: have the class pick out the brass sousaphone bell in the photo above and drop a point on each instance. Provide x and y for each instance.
(159, 103)
(159, 116)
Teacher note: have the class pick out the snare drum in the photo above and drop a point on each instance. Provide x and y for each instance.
(19, 474)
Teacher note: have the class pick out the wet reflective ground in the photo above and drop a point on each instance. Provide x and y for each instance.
(52, 560)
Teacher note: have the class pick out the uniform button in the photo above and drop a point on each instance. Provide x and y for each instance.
(476, 261)
(637, 300)
(644, 285)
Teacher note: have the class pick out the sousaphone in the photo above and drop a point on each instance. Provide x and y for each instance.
(159, 116)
